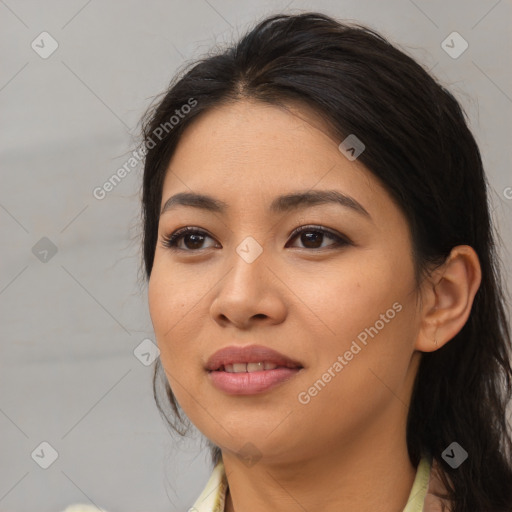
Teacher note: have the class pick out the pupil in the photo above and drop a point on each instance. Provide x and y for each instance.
(311, 236)
(197, 238)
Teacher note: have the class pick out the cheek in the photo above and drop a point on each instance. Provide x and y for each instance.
(366, 315)
(167, 306)
(175, 308)
(348, 297)
(368, 380)
(160, 301)
(170, 295)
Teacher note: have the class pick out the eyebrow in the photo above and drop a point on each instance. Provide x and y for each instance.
(281, 204)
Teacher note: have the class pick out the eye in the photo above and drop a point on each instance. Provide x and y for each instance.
(311, 236)
(193, 238)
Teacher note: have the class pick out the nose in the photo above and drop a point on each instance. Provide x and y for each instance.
(250, 293)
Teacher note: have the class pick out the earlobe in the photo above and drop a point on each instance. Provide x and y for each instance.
(450, 292)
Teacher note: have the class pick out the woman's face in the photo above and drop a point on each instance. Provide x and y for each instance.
(345, 309)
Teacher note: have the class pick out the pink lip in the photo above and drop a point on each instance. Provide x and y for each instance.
(250, 383)
(249, 354)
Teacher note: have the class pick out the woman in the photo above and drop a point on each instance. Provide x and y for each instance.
(323, 284)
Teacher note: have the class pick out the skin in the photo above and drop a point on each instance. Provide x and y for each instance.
(346, 448)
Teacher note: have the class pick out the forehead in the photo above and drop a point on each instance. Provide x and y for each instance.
(249, 152)
(256, 129)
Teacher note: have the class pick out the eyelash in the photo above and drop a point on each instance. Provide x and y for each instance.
(170, 241)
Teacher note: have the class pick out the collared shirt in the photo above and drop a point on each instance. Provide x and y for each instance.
(213, 497)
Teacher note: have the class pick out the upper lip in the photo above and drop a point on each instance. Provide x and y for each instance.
(248, 354)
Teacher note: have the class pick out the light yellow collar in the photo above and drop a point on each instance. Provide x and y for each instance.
(213, 497)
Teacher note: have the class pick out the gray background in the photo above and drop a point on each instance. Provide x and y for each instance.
(71, 321)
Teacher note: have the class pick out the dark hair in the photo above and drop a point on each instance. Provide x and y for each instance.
(419, 146)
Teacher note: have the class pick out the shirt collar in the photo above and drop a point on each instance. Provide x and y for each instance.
(213, 497)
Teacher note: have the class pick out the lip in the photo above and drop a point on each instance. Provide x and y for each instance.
(249, 354)
(251, 383)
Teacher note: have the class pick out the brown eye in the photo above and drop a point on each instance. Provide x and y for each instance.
(192, 239)
(313, 236)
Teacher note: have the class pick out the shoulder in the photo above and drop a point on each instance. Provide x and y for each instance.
(434, 502)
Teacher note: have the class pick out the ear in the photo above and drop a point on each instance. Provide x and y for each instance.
(447, 298)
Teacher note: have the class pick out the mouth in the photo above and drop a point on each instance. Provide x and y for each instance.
(250, 358)
(253, 367)
(251, 382)
(250, 370)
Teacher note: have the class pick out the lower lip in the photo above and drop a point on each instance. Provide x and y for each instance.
(250, 383)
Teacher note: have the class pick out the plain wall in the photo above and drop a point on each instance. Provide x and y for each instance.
(72, 320)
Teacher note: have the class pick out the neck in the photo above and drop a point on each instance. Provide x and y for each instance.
(372, 474)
